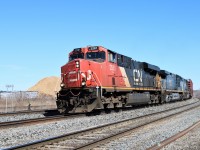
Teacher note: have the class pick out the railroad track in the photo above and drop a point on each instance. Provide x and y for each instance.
(36, 120)
(28, 112)
(45, 119)
(170, 140)
(95, 136)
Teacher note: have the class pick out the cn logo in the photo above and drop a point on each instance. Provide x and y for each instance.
(137, 75)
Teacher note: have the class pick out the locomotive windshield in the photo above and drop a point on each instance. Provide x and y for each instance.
(96, 56)
(75, 56)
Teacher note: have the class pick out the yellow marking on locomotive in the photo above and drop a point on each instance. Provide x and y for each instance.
(139, 89)
(142, 89)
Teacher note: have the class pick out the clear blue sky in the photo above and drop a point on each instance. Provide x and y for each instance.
(37, 35)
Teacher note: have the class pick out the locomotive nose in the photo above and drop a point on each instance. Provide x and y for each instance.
(71, 74)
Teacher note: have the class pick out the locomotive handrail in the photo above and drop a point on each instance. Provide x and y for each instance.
(97, 79)
(75, 94)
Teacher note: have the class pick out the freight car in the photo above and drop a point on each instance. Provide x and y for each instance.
(98, 78)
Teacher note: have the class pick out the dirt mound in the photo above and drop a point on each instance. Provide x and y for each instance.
(48, 85)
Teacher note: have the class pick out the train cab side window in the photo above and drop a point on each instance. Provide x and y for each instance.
(112, 57)
(120, 60)
(128, 62)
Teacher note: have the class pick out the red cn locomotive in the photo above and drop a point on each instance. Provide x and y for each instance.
(97, 78)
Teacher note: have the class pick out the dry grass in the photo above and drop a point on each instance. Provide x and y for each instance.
(16, 104)
(46, 88)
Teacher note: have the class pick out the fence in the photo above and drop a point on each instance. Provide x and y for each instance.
(23, 100)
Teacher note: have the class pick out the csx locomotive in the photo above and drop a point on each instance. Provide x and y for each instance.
(98, 78)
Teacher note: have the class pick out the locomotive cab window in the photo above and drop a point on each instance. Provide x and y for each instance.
(111, 57)
(96, 56)
(75, 56)
(120, 60)
(127, 62)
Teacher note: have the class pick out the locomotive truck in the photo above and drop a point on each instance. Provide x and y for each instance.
(99, 78)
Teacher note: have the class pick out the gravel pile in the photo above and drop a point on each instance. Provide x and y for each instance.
(21, 135)
(189, 141)
(20, 117)
(47, 86)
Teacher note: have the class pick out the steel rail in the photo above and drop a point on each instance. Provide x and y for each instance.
(36, 120)
(126, 132)
(26, 112)
(173, 138)
(95, 142)
(28, 121)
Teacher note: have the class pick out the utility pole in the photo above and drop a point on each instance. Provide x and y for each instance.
(7, 100)
(12, 97)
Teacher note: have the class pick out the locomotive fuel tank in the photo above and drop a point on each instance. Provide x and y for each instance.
(138, 98)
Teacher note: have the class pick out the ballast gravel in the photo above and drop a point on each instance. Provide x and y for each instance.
(22, 135)
(155, 133)
(189, 141)
(16, 117)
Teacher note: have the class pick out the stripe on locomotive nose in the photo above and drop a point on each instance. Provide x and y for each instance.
(123, 72)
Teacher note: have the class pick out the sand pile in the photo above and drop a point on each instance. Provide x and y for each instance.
(48, 85)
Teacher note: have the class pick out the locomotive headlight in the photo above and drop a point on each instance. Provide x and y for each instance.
(62, 85)
(77, 64)
(83, 83)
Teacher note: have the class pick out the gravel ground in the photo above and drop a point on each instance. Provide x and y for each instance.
(21, 135)
(154, 133)
(189, 141)
(20, 117)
